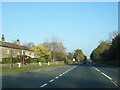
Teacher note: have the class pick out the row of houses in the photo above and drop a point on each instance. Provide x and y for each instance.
(12, 50)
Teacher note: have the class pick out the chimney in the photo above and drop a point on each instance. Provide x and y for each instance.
(17, 42)
(3, 38)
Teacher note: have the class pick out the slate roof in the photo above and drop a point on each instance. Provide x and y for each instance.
(12, 45)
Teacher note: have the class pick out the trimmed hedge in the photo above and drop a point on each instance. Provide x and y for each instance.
(31, 60)
(8, 60)
(36, 60)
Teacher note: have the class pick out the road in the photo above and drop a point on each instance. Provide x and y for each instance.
(70, 76)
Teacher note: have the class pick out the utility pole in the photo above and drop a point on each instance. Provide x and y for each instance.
(23, 57)
(11, 58)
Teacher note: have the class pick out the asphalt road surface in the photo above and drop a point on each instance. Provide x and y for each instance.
(70, 76)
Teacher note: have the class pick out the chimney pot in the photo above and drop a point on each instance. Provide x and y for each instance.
(3, 38)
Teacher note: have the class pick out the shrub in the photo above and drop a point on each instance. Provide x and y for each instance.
(43, 60)
(8, 60)
(34, 60)
(70, 61)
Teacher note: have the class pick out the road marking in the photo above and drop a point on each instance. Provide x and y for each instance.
(103, 73)
(114, 83)
(106, 75)
(56, 77)
(63, 73)
(60, 75)
(51, 80)
(97, 69)
(68, 70)
(43, 85)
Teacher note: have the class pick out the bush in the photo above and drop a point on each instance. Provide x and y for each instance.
(70, 61)
(43, 60)
(8, 60)
(34, 60)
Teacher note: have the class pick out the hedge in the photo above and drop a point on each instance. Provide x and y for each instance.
(31, 60)
(8, 60)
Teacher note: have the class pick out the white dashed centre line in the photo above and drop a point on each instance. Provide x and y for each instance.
(51, 80)
(63, 73)
(60, 75)
(57, 77)
(43, 85)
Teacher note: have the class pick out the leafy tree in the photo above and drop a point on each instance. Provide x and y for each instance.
(96, 54)
(112, 54)
(78, 55)
(60, 56)
(41, 51)
(85, 57)
(42, 59)
(107, 53)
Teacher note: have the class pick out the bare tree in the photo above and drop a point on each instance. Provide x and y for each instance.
(113, 35)
(30, 44)
(56, 46)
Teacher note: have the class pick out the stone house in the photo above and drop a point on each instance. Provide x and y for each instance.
(8, 50)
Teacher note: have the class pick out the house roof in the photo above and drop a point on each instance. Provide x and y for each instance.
(12, 45)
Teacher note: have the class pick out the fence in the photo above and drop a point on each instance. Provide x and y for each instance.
(31, 64)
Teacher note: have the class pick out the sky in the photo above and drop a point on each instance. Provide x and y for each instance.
(79, 25)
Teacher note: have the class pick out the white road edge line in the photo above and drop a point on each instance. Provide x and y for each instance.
(114, 83)
(97, 69)
(43, 85)
(103, 73)
(106, 75)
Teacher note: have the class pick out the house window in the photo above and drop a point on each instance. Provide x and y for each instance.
(8, 52)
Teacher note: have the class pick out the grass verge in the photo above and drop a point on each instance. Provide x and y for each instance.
(16, 70)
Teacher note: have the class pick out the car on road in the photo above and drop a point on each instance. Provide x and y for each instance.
(85, 62)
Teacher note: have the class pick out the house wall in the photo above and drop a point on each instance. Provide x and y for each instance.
(28, 53)
(0, 53)
(10, 52)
